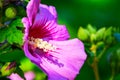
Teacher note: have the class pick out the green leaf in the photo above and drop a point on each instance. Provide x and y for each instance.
(12, 34)
(27, 62)
(17, 23)
(14, 55)
(20, 72)
(3, 35)
(5, 48)
(15, 36)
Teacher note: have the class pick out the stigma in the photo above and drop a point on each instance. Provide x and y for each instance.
(41, 44)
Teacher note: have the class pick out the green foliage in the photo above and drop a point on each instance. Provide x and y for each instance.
(26, 61)
(20, 72)
(11, 33)
(17, 23)
(11, 41)
(14, 55)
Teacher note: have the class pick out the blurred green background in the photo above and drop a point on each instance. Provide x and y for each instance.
(95, 22)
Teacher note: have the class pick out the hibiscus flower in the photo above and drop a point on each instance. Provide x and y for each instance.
(46, 43)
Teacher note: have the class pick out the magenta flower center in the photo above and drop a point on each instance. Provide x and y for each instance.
(41, 44)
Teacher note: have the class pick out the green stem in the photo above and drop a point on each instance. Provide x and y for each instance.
(95, 63)
(103, 51)
(95, 68)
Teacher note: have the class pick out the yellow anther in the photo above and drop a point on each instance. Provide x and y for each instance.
(40, 40)
(44, 45)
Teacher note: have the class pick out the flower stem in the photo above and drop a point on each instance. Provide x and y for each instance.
(102, 52)
(95, 68)
(94, 64)
(96, 60)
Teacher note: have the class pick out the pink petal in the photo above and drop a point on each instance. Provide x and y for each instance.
(26, 24)
(45, 25)
(65, 62)
(56, 76)
(32, 9)
(29, 75)
(51, 9)
(28, 53)
(15, 76)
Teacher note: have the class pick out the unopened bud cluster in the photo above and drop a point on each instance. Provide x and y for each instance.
(90, 34)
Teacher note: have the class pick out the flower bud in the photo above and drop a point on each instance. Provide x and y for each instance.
(5, 71)
(107, 37)
(92, 38)
(83, 34)
(108, 33)
(10, 12)
(100, 34)
(101, 43)
(91, 29)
